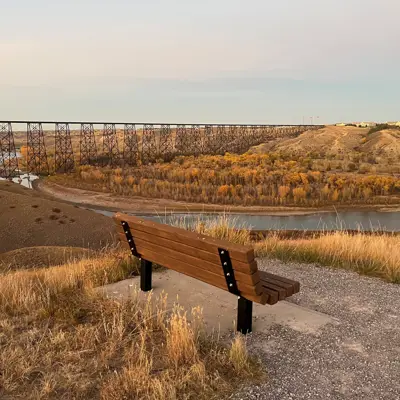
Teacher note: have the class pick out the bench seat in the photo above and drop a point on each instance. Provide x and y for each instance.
(278, 287)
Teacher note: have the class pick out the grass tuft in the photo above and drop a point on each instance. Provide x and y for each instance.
(238, 356)
(223, 227)
(181, 340)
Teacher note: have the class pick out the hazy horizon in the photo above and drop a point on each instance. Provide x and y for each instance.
(209, 62)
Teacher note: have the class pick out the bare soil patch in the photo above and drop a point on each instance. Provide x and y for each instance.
(28, 219)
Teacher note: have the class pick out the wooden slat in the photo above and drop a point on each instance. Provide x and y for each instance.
(194, 262)
(286, 287)
(202, 242)
(295, 284)
(277, 278)
(201, 274)
(280, 290)
(244, 267)
(273, 296)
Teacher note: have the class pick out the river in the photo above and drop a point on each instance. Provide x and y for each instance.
(24, 180)
(359, 220)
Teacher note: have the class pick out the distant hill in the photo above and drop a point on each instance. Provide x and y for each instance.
(340, 141)
(383, 144)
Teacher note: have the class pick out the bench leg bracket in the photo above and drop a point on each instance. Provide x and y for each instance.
(145, 275)
(228, 271)
(244, 315)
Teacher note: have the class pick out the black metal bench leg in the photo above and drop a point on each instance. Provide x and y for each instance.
(244, 315)
(145, 275)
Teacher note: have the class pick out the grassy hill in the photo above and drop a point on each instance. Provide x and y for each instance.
(383, 145)
(28, 219)
(341, 142)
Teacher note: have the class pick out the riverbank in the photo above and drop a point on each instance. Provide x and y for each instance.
(142, 205)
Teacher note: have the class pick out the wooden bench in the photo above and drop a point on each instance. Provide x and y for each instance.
(228, 266)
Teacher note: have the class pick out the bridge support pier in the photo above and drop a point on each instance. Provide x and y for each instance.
(87, 145)
(37, 161)
(110, 145)
(64, 160)
(149, 144)
(131, 145)
(8, 155)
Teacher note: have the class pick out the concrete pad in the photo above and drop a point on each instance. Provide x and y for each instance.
(219, 307)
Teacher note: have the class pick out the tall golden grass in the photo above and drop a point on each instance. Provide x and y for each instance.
(366, 254)
(370, 255)
(224, 226)
(61, 338)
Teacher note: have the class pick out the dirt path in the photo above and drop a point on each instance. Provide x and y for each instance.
(341, 138)
(142, 205)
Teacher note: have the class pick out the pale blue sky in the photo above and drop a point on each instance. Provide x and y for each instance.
(203, 61)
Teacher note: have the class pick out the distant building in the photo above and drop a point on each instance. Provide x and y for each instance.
(394, 123)
(359, 124)
(365, 124)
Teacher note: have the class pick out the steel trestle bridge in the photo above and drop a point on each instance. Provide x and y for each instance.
(58, 147)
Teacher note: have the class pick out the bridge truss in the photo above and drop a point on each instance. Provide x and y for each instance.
(59, 147)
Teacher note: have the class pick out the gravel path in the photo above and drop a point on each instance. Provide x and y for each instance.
(356, 358)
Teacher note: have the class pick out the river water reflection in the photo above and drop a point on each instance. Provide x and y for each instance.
(363, 220)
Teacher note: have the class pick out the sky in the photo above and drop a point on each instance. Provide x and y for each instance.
(209, 61)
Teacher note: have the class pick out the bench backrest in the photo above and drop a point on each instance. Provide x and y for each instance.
(199, 256)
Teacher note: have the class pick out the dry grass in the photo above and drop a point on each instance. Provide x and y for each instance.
(370, 255)
(223, 227)
(41, 256)
(61, 339)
